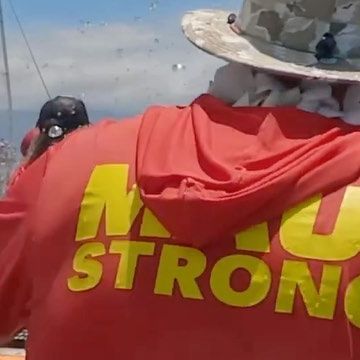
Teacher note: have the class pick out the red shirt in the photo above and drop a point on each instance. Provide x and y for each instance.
(90, 268)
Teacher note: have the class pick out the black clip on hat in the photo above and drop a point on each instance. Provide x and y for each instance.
(62, 115)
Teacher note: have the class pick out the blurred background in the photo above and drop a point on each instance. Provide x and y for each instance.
(119, 56)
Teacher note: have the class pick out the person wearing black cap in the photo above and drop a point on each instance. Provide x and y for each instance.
(58, 117)
(62, 115)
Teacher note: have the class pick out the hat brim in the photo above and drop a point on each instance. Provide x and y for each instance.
(209, 31)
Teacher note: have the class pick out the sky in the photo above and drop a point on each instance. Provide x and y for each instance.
(70, 11)
(118, 55)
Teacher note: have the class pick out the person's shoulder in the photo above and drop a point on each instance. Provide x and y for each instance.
(109, 124)
(105, 127)
(15, 176)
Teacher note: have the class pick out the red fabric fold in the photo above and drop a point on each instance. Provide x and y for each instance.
(210, 169)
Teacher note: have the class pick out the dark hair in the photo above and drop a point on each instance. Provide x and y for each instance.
(38, 147)
(58, 117)
(42, 143)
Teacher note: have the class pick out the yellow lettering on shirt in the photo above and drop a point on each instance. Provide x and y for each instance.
(352, 301)
(298, 238)
(91, 270)
(258, 288)
(254, 239)
(130, 251)
(107, 196)
(319, 303)
(170, 271)
(107, 191)
(151, 226)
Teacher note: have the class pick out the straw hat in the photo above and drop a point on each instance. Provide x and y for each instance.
(315, 39)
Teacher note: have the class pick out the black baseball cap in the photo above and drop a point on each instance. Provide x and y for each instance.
(66, 112)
